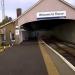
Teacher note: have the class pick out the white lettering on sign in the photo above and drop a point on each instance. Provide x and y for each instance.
(51, 14)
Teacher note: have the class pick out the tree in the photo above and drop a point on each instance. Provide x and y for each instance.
(6, 19)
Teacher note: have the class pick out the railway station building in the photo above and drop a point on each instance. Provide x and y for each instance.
(44, 18)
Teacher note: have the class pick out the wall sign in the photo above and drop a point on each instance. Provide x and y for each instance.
(51, 14)
(17, 32)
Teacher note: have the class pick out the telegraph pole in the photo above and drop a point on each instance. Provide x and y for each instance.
(3, 9)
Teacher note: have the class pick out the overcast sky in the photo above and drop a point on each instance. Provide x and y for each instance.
(11, 5)
(72, 2)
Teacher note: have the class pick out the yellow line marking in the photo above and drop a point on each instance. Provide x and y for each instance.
(51, 68)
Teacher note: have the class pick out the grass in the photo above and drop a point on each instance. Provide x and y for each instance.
(2, 48)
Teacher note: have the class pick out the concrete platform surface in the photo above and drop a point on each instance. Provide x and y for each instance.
(24, 59)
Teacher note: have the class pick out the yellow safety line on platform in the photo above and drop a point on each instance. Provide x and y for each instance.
(51, 68)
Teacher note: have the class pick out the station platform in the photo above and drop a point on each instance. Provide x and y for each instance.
(33, 58)
(28, 58)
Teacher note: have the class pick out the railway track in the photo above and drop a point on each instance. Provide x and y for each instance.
(65, 49)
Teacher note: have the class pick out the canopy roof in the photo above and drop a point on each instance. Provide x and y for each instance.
(45, 24)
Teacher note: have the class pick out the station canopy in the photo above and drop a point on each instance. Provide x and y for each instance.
(45, 24)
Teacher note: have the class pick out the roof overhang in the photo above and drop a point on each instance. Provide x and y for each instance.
(46, 24)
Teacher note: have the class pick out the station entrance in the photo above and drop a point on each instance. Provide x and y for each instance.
(42, 29)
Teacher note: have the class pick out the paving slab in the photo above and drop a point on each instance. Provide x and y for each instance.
(23, 59)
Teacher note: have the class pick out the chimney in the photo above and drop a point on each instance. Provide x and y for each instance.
(19, 11)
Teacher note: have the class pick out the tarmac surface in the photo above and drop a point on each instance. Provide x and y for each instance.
(23, 59)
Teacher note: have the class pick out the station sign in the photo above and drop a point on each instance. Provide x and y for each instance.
(17, 32)
(51, 14)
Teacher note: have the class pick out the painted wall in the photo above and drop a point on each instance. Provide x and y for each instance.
(46, 6)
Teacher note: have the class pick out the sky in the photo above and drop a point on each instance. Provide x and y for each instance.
(11, 5)
(72, 2)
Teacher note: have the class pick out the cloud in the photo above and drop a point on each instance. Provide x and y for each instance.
(0, 15)
(23, 1)
(12, 5)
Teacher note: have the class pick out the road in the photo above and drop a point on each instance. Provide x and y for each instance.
(23, 59)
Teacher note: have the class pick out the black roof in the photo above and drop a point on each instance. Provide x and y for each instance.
(46, 24)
